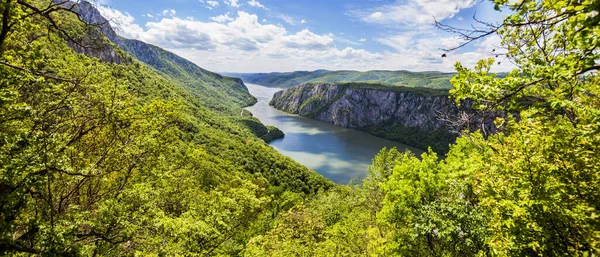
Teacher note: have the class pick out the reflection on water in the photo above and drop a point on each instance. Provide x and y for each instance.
(337, 153)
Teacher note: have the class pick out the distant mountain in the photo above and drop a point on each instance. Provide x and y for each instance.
(393, 78)
(217, 92)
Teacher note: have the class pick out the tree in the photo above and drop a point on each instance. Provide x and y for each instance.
(539, 183)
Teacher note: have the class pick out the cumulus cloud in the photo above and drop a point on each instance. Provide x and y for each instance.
(413, 12)
(308, 40)
(123, 23)
(242, 42)
(222, 18)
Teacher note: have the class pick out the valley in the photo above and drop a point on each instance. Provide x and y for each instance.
(339, 154)
(118, 138)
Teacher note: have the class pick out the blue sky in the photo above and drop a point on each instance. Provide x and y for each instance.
(285, 35)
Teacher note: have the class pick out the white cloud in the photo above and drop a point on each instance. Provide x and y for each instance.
(376, 15)
(123, 23)
(255, 3)
(222, 18)
(399, 42)
(150, 15)
(169, 12)
(232, 3)
(413, 12)
(423, 52)
(242, 42)
(302, 22)
(308, 40)
(288, 19)
(210, 4)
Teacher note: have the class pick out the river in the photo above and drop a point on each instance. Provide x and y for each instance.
(338, 153)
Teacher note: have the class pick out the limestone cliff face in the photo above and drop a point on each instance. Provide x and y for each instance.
(350, 107)
(414, 116)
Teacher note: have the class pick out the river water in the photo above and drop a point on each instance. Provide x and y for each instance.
(339, 154)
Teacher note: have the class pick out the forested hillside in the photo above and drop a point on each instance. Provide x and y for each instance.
(111, 156)
(224, 95)
(392, 78)
(101, 158)
(532, 189)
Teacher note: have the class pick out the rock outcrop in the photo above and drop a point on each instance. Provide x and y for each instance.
(379, 108)
(358, 108)
(93, 43)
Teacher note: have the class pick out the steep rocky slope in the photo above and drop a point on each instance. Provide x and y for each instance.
(408, 115)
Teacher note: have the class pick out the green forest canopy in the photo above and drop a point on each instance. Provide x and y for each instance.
(118, 160)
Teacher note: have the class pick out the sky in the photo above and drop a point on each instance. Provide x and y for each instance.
(285, 35)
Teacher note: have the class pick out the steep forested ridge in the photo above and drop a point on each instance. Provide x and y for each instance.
(101, 158)
(218, 92)
(225, 95)
(391, 78)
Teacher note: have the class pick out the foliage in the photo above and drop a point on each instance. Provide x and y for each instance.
(439, 140)
(274, 133)
(531, 190)
(540, 181)
(114, 159)
(340, 222)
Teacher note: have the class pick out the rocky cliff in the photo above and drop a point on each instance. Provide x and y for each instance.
(408, 115)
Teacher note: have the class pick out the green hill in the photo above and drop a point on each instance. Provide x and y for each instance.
(393, 78)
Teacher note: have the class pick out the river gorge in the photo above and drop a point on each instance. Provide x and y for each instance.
(339, 154)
